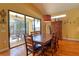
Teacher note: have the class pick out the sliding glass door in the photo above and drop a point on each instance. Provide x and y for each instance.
(17, 29)
(29, 25)
(20, 24)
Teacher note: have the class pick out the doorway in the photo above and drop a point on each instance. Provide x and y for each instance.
(20, 24)
(17, 28)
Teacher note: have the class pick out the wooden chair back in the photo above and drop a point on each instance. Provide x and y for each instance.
(29, 44)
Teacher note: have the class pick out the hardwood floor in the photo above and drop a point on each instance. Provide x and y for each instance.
(69, 48)
(66, 48)
(17, 51)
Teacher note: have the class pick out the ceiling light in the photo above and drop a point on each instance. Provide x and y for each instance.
(60, 16)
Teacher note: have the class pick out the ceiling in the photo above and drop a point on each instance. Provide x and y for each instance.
(51, 8)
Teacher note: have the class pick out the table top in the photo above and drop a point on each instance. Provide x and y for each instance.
(41, 38)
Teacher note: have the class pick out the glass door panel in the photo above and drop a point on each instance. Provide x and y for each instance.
(29, 25)
(37, 25)
(17, 29)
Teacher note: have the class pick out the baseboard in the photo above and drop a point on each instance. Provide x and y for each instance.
(73, 39)
(2, 50)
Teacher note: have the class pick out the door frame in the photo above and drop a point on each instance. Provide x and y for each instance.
(24, 23)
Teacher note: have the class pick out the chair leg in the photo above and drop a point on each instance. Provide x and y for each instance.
(52, 51)
(33, 53)
(43, 53)
(26, 52)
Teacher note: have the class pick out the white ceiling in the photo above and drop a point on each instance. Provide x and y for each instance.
(50, 8)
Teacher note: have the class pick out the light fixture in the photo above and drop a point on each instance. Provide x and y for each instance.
(47, 18)
(59, 16)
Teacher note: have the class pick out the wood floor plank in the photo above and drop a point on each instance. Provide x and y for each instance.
(66, 48)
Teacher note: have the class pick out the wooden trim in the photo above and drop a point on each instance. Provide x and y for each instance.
(71, 39)
(17, 45)
(5, 49)
(40, 26)
(8, 30)
(25, 24)
(23, 14)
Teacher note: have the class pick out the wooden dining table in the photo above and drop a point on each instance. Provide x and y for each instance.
(42, 39)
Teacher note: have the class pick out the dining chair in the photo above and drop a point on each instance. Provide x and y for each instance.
(32, 47)
(52, 44)
(47, 50)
